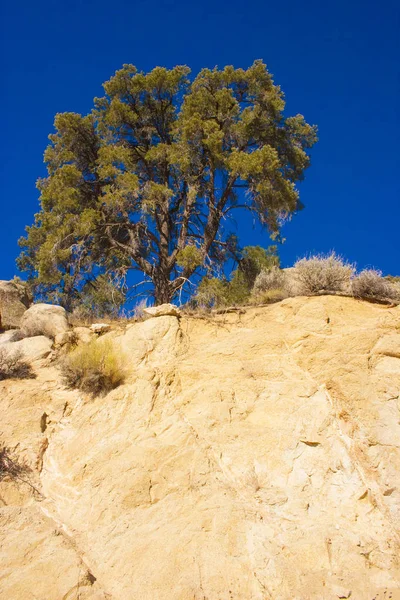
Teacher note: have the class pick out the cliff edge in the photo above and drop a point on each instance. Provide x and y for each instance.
(249, 456)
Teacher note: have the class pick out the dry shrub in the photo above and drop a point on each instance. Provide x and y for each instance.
(96, 367)
(323, 273)
(10, 467)
(138, 311)
(13, 366)
(371, 284)
(270, 279)
(269, 296)
(271, 285)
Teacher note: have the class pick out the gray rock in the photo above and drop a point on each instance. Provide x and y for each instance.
(14, 300)
(44, 319)
(33, 348)
(10, 336)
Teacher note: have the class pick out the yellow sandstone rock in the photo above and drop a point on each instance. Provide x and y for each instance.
(247, 457)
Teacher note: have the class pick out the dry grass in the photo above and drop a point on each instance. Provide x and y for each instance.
(268, 297)
(96, 367)
(138, 311)
(13, 366)
(370, 284)
(323, 273)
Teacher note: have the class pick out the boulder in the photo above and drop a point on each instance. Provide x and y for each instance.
(32, 348)
(61, 339)
(164, 310)
(44, 319)
(14, 300)
(83, 334)
(13, 335)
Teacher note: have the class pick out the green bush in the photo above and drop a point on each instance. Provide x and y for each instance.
(212, 292)
(189, 257)
(96, 367)
(323, 273)
(215, 292)
(256, 259)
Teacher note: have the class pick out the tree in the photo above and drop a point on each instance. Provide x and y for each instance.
(148, 180)
(214, 291)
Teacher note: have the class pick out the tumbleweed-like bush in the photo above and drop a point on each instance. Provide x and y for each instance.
(270, 279)
(370, 284)
(323, 273)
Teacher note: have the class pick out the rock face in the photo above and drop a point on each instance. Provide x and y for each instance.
(252, 456)
(44, 319)
(14, 300)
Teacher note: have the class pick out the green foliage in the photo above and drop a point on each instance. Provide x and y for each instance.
(255, 259)
(212, 292)
(96, 367)
(99, 298)
(155, 170)
(189, 258)
(237, 291)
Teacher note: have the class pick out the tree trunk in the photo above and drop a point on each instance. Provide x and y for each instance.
(163, 291)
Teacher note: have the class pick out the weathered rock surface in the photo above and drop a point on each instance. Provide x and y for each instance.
(33, 348)
(14, 300)
(83, 334)
(252, 456)
(9, 336)
(44, 319)
(163, 310)
(100, 328)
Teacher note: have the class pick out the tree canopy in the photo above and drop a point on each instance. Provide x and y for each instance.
(149, 179)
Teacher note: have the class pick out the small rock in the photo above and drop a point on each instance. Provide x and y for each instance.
(100, 328)
(164, 310)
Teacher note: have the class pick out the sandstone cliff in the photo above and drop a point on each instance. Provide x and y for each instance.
(252, 456)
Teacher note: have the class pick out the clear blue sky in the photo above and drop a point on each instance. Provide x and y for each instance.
(337, 62)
